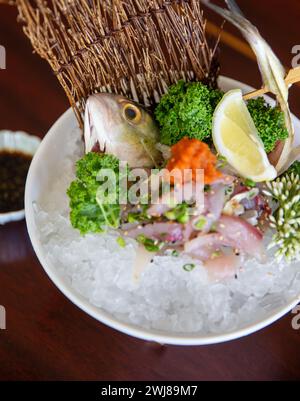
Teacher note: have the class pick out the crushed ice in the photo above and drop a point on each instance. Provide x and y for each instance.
(166, 297)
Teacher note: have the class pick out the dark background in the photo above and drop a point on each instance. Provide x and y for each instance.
(47, 337)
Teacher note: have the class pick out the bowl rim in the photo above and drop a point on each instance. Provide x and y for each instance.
(100, 314)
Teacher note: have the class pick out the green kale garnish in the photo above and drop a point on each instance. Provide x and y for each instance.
(295, 168)
(269, 122)
(91, 212)
(187, 110)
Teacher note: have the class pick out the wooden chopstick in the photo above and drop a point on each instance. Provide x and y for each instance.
(292, 77)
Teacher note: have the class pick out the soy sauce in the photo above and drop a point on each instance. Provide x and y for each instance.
(14, 167)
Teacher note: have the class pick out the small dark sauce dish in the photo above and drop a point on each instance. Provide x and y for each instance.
(14, 166)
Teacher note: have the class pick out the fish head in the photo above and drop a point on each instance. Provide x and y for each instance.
(118, 126)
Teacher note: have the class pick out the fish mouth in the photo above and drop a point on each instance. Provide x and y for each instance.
(97, 148)
(97, 114)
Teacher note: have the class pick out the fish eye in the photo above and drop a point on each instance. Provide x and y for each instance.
(132, 113)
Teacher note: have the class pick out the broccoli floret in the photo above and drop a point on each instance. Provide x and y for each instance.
(88, 213)
(187, 110)
(269, 122)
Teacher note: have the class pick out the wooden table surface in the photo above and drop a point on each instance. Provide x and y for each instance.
(47, 337)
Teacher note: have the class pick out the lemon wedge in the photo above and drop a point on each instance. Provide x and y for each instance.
(236, 138)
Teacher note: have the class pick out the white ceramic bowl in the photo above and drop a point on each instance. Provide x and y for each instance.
(21, 142)
(41, 174)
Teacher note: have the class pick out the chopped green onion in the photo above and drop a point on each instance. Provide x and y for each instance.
(121, 242)
(200, 224)
(249, 183)
(214, 227)
(141, 238)
(216, 254)
(153, 246)
(161, 245)
(222, 161)
(183, 218)
(189, 267)
(179, 213)
(175, 253)
(150, 244)
(229, 190)
(132, 218)
(253, 193)
(171, 215)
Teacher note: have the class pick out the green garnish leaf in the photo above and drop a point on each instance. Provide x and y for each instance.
(269, 122)
(90, 211)
(187, 110)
